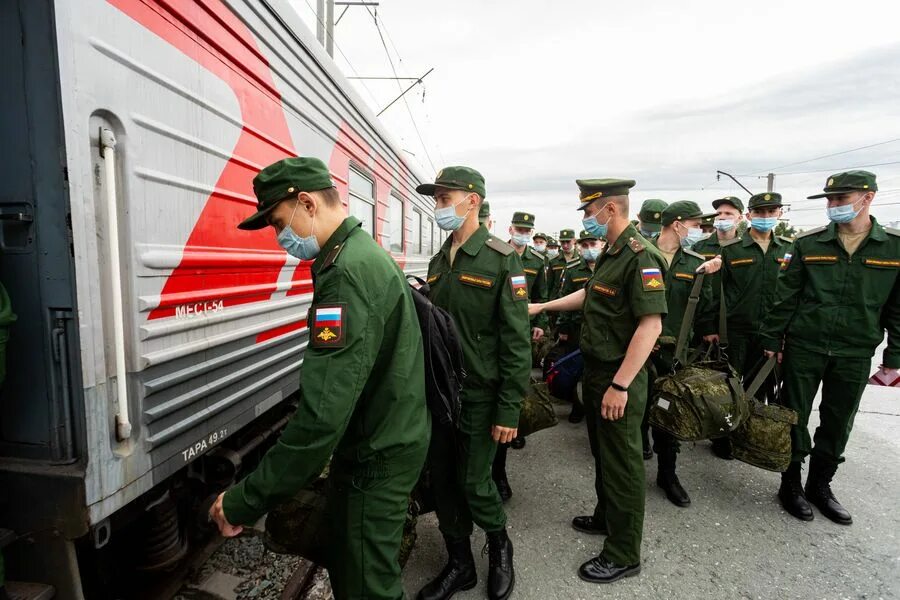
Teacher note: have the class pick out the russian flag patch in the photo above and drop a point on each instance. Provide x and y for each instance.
(652, 280)
(327, 326)
(519, 286)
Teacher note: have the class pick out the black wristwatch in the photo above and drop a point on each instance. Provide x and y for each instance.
(616, 386)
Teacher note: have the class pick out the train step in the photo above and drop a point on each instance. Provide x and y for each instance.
(21, 590)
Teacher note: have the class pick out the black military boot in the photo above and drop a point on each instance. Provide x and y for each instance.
(721, 447)
(588, 524)
(645, 445)
(818, 491)
(577, 414)
(791, 494)
(458, 575)
(668, 480)
(600, 570)
(498, 473)
(501, 575)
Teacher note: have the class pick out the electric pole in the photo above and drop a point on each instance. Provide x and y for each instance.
(770, 185)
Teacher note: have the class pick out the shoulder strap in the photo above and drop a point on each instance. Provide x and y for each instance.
(688, 321)
(760, 377)
(723, 321)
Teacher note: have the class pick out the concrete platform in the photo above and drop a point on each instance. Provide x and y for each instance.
(735, 541)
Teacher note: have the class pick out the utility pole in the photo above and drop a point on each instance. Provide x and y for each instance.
(770, 185)
(320, 21)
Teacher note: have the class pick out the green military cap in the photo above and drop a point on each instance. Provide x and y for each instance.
(540, 235)
(584, 235)
(708, 220)
(523, 219)
(848, 181)
(682, 210)
(484, 211)
(651, 213)
(566, 235)
(769, 199)
(552, 243)
(592, 189)
(455, 178)
(732, 200)
(284, 179)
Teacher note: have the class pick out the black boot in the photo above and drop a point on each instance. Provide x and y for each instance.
(721, 447)
(518, 443)
(818, 491)
(498, 473)
(668, 480)
(600, 570)
(459, 574)
(791, 494)
(577, 414)
(647, 450)
(501, 575)
(588, 524)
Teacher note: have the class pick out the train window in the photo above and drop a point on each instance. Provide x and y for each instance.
(395, 241)
(417, 232)
(427, 236)
(362, 200)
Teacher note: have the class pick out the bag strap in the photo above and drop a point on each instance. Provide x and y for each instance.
(723, 321)
(761, 376)
(688, 321)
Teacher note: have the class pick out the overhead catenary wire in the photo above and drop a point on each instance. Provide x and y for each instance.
(809, 160)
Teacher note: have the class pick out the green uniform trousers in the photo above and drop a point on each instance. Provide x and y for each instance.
(366, 513)
(843, 381)
(618, 461)
(460, 462)
(745, 354)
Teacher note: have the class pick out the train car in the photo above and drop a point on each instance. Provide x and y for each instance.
(157, 347)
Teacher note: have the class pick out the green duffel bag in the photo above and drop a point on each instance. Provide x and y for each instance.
(701, 401)
(537, 410)
(764, 439)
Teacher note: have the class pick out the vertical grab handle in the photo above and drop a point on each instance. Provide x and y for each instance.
(108, 152)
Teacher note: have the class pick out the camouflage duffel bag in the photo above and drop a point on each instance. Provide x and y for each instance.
(701, 401)
(537, 410)
(764, 439)
(539, 350)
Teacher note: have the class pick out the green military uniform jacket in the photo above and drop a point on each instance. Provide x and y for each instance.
(362, 383)
(556, 269)
(535, 265)
(627, 284)
(575, 277)
(749, 277)
(486, 292)
(679, 280)
(837, 304)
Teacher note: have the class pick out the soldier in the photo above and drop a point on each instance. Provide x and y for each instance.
(481, 282)
(484, 216)
(623, 304)
(707, 226)
(362, 386)
(552, 252)
(838, 293)
(649, 218)
(7, 317)
(558, 264)
(535, 266)
(680, 230)
(578, 272)
(539, 243)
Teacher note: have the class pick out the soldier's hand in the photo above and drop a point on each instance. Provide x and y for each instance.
(217, 514)
(564, 337)
(536, 333)
(711, 339)
(504, 435)
(770, 354)
(535, 309)
(613, 406)
(711, 266)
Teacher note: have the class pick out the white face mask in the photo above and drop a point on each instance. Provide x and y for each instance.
(552, 253)
(540, 247)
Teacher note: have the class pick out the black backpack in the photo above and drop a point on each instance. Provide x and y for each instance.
(444, 372)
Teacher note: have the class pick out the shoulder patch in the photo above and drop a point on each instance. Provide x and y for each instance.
(811, 232)
(499, 246)
(519, 286)
(327, 326)
(892, 231)
(652, 280)
(636, 245)
(332, 256)
(730, 242)
(690, 252)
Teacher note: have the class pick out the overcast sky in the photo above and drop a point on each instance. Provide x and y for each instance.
(536, 94)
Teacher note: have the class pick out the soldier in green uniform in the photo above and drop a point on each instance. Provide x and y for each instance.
(362, 386)
(480, 280)
(7, 317)
(707, 226)
(535, 265)
(484, 215)
(539, 243)
(729, 214)
(837, 295)
(623, 305)
(578, 272)
(558, 264)
(552, 252)
(649, 217)
(680, 231)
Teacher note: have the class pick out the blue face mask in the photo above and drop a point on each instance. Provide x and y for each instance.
(520, 239)
(447, 219)
(842, 214)
(594, 228)
(590, 254)
(764, 224)
(552, 253)
(724, 224)
(304, 248)
(694, 235)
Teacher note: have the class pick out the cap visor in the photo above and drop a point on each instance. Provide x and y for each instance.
(584, 205)
(426, 189)
(654, 227)
(721, 201)
(708, 216)
(255, 221)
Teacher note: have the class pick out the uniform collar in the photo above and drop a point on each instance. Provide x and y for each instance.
(472, 245)
(747, 239)
(340, 235)
(679, 253)
(876, 233)
(629, 232)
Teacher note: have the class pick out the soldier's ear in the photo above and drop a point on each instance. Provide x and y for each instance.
(308, 202)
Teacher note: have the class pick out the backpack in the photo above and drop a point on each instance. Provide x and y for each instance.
(564, 374)
(444, 372)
